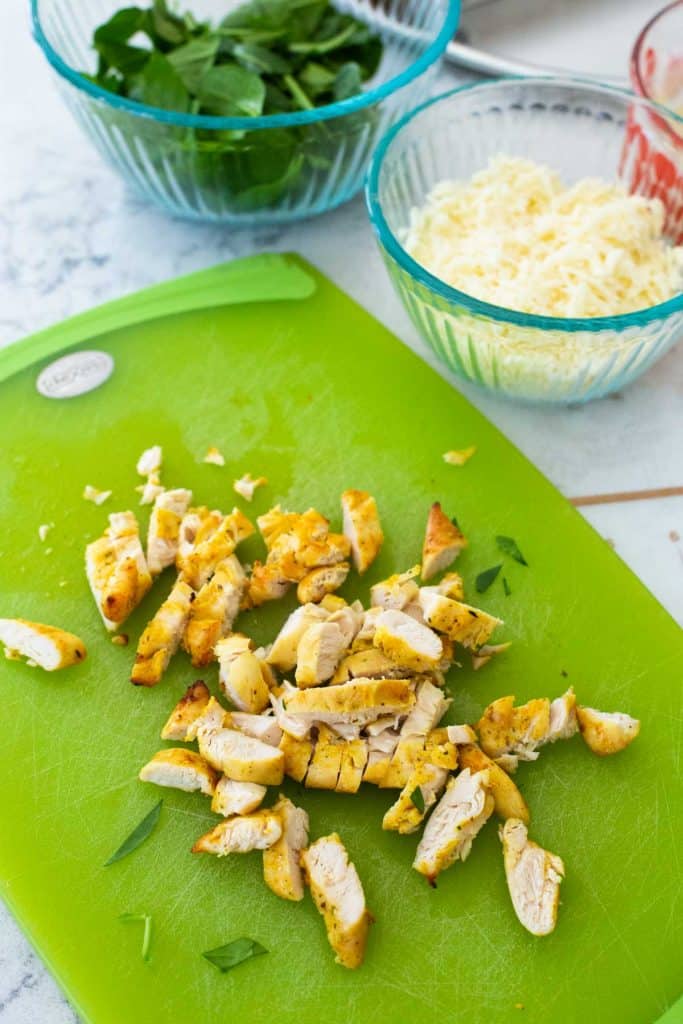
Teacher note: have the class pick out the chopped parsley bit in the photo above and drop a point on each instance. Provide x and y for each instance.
(506, 587)
(486, 578)
(147, 933)
(233, 953)
(509, 547)
(418, 799)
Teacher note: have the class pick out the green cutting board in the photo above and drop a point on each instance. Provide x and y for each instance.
(309, 390)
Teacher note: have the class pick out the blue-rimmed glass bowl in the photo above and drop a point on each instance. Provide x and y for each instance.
(246, 170)
(579, 129)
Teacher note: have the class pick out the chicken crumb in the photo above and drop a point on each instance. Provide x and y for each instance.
(121, 639)
(150, 461)
(247, 484)
(214, 457)
(459, 456)
(44, 529)
(151, 490)
(93, 494)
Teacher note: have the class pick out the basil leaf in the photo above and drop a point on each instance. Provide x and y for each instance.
(509, 547)
(229, 90)
(160, 85)
(506, 587)
(486, 578)
(192, 60)
(234, 953)
(418, 799)
(147, 933)
(137, 836)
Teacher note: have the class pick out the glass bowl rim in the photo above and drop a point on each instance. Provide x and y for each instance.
(635, 64)
(390, 242)
(333, 110)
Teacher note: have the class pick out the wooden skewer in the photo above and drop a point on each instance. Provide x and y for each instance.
(611, 499)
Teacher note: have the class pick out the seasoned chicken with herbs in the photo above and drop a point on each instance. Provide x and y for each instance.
(469, 626)
(242, 675)
(231, 797)
(241, 834)
(508, 801)
(606, 732)
(282, 861)
(162, 636)
(338, 894)
(117, 569)
(163, 534)
(407, 642)
(362, 527)
(534, 877)
(455, 822)
(283, 653)
(179, 768)
(189, 708)
(321, 581)
(419, 794)
(442, 544)
(48, 647)
(214, 610)
(358, 702)
(237, 755)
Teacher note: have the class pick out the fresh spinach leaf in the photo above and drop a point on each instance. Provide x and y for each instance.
(348, 81)
(160, 85)
(121, 26)
(260, 59)
(229, 90)
(192, 60)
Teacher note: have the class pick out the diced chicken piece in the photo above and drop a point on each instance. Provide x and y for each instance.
(319, 582)
(460, 734)
(450, 585)
(151, 489)
(282, 861)
(214, 610)
(95, 495)
(509, 802)
(606, 732)
(505, 730)
(563, 721)
(200, 564)
(163, 534)
(297, 756)
(266, 583)
(241, 834)
(430, 706)
(406, 756)
(366, 634)
(397, 591)
(161, 637)
(442, 544)
(241, 676)
(362, 527)
(386, 723)
(353, 762)
(247, 484)
(319, 652)
(283, 652)
(349, 619)
(439, 750)
(534, 877)
(419, 794)
(48, 647)
(150, 461)
(178, 768)
(290, 724)
(371, 664)
(483, 655)
(324, 767)
(338, 895)
(214, 456)
(376, 767)
(456, 820)
(196, 527)
(407, 642)
(332, 603)
(239, 756)
(189, 708)
(461, 622)
(213, 717)
(233, 797)
(261, 727)
(116, 569)
(306, 527)
(358, 702)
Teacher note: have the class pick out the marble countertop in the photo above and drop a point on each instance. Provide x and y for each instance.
(71, 237)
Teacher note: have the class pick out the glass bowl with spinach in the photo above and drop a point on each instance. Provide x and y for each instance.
(243, 111)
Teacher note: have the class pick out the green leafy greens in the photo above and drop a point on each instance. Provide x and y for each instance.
(145, 919)
(234, 953)
(509, 547)
(486, 578)
(138, 835)
(418, 799)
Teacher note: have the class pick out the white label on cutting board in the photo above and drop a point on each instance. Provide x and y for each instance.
(75, 374)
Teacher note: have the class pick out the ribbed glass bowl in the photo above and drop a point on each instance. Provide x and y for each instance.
(245, 170)
(579, 129)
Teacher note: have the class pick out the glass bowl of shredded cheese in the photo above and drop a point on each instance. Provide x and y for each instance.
(528, 252)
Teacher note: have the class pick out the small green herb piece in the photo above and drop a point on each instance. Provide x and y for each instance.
(137, 836)
(234, 953)
(147, 933)
(455, 522)
(418, 799)
(486, 578)
(509, 547)
(506, 587)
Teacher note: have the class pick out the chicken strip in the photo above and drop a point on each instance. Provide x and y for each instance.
(241, 674)
(241, 834)
(297, 756)
(283, 652)
(189, 708)
(509, 802)
(442, 544)
(325, 765)
(338, 895)
(237, 755)
(161, 637)
(563, 721)
(606, 732)
(456, 820)
(321, 581)
(48, 647)
(281, 861)
(514, 733)
(117, 570)
(450, 585)
(371, 664)
(231, 797)
(163, 534)
(419, 794)
(460, 734)
(358, 702)
(431, 704)
(461, 622)
(261, 727)
(397, 591)
(319, 652)
(353, 762)
(196, 527)
(534, 877)
(180, 769)
(214, 610)
(200, 564)
(407, 642)
(362, 527)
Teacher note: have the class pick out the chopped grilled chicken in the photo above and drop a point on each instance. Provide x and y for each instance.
(461, 622)
(214, 456)
(275, 523)
(188, 709)
(534, 877)
(237, 755)
(371, 663)
(290, 724)
(514, 733)
(606, 732)
(408, 753)
(261, 727)
(281, 861)
(410, 810)
(233, 797)
(214, 610)
(180, 769)
(483, 655)
(338, 895)
(563, 721)
(319, 582)
(196, 527)
(266, 583)
(362, 527)
(450, 585)
(283, 652)
(213, 717)
(397, 591)
(199, 565)
(241, 834)
(456, 820)
(366, 634)
(509, 802)
(442, 544)
(150, 490)
(407, 642)
(430, 707)
(150, 461)
(319, 652)
(354, 759)
(349, 619)
(332, 603)
(325, 765)
(460, 734)
(161, 637)
(376, 766)
(163, 534)
(358, 702)
(247, 484)
(439, 750)
(116, 569)
(297, 756)
(95, 495)
(241, 675)
(48, 647)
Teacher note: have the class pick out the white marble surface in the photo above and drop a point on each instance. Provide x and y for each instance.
(71, 237)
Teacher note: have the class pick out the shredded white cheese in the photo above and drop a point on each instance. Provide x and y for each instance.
(516, 237)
